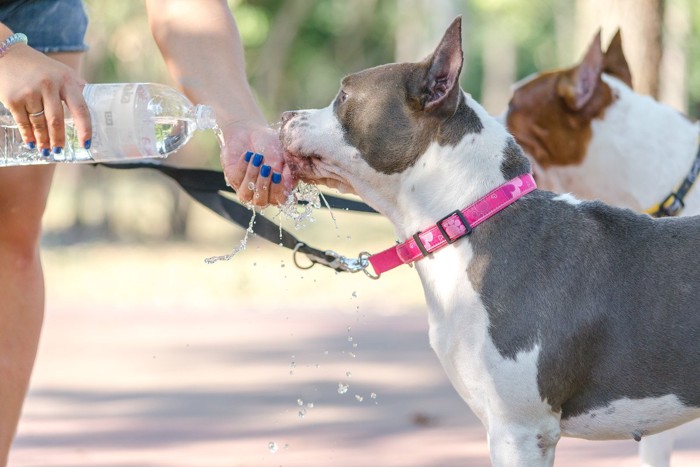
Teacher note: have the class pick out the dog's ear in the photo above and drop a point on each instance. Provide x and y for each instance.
(576, 87)
(615, 63)
(441, 86)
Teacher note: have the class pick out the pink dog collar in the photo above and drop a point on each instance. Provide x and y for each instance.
(454, 226)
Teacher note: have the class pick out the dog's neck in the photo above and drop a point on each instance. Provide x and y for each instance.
(446, 178)
(640, 150)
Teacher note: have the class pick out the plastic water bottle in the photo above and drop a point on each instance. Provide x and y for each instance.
(129, 121)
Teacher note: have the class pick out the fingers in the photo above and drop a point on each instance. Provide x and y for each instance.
(81, 115)
(280, 185)
(260, 183)
(53, 121)
(24, 121)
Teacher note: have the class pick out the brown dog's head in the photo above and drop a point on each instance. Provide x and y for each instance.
(550, 115)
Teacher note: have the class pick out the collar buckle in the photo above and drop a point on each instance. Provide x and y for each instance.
(671, 206)
(467, 227)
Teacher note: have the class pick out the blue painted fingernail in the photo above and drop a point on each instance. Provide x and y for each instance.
(87, 144)
(265, 171)
(248, 155)
(46, 152)
(276, 177)
(31, 145)
(257, 160)
(57, 149)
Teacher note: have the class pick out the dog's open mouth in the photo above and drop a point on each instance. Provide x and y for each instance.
(302, 166)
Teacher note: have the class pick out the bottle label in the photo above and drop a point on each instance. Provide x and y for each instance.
(121, 125)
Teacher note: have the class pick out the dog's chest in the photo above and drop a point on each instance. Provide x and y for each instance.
(460, 336)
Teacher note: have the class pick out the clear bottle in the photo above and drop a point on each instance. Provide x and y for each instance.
(129, 121)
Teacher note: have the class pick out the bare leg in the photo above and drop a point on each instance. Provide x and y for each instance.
(23, 194)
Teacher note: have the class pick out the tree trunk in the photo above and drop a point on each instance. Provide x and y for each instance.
(420, 25)
(673, 86)
(640, 23)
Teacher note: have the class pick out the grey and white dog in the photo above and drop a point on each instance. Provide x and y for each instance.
(553, 317)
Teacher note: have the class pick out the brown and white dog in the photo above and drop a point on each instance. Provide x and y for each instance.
(551, 317)
(588, 133)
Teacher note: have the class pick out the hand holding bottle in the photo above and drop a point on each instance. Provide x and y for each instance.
(33, 87)
(253, 164)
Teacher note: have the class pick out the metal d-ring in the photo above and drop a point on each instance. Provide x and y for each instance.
(294, 257)
(364, 259)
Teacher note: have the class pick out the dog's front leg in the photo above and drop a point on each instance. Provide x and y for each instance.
(518, 445)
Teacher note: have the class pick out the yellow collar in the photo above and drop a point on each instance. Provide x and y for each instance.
(673, 204)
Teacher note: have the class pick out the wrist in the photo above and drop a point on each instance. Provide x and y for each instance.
(13, 39)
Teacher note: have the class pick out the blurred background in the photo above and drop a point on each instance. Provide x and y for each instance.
(297, 51)
(150, 357)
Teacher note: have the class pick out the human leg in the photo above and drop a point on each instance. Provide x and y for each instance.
(23, 195)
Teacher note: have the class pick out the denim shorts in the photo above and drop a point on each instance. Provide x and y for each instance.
(50, 25)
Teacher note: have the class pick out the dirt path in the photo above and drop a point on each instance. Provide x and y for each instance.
(151, 366)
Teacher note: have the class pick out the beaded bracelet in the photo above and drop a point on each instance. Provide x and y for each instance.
(10, 41)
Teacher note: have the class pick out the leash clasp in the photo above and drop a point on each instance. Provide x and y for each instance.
(337, 261)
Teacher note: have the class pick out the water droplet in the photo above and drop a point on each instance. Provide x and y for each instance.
(251, 186)
(354, 295)
(352, 354)
(300, 402)
(302, 413)
(348, 374)
(342, 388)
(310, 405)
(272, 447)
(359, 398)
(349, 338)
(373, 396)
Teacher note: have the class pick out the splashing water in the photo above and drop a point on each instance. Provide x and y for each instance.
(300, 204)
(328, 206)
(219, 133)
(241, 246)
(298, 207)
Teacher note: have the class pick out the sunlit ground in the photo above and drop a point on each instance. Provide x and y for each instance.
(150, 357)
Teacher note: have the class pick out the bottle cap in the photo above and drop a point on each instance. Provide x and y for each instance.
(204, 116)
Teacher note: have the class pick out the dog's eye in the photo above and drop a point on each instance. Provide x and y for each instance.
(342, 97)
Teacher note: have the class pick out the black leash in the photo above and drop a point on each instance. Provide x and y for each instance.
(206, 186)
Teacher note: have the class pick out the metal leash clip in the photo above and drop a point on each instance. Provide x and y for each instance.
(337, 261)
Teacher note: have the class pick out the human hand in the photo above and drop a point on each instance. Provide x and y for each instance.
(252, 157)
(33, 87)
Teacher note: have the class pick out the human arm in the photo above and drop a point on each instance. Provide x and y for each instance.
(202, 49)
(31, 82)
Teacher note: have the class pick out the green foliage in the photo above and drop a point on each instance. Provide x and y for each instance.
(326, 39)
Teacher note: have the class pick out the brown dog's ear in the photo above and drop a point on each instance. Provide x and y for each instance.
(615, 63)
(577, 86)
(440, 90)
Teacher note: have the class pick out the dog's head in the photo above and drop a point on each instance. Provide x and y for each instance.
(382, 121)
(550, 114)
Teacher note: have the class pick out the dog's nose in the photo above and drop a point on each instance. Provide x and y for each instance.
(287, 116)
